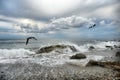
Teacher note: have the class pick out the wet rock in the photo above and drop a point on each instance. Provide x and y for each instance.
(117, 75)
(54, 47)
(78, 56)
(92, 63)
(117, 54)
(91, 48)
(72, 48)
(108, 64)
(50, 48)
(115, 46)
(109, 47)
(2, 76)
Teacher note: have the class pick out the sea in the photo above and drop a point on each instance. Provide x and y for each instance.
(12, 51)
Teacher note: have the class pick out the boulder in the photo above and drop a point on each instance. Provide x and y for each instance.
(110, 47)
(92, 63)
(91, 48)
(78, 56)
(117, 54)
(108, 64)
(48, 49)
(115, 46)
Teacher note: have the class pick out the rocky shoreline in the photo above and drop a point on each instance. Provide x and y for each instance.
(93, 70)
(33, 71)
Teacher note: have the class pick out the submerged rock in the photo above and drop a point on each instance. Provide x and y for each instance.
(91, 48)
(117, 54)
(115, 46)
(54, 47)
(78, 56)
(110, 47)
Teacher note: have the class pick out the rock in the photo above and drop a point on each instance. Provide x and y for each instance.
(73, 48)
(54, 47)
(108, 64)
(117, 75)
(115, 46)
(110, 47)
(92, 63)
(117, 54)
(78, 56)
(91, 48)
(50, 48)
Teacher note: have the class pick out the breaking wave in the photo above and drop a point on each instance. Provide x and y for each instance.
(53, 54)
(14, 53)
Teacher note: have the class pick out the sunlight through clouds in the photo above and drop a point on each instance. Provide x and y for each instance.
(52, 17)
(54, 7)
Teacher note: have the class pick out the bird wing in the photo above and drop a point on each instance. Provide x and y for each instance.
(92, 26)
(27, 41)
(34, 38)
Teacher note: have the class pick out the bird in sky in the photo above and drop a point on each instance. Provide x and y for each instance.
(29, 39)
(92, 26)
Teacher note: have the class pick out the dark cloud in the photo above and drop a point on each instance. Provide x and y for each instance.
(87, 12)
(20, 9)
(23, 9)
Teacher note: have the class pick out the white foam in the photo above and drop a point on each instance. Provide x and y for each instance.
(85, 47)
(83, 62)
(98, 45)
(53, 58)
(14, 53)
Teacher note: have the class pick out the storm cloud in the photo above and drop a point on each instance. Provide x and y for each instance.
(45, 10)
(55, 17)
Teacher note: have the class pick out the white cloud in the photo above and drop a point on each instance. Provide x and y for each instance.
(69, 22)
(102, 23)
(53, 7)
(32, 26)
(34, 16)
(22, 25)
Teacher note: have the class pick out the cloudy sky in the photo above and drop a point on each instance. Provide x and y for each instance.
(59, 19)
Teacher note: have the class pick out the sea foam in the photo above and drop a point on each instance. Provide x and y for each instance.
(56, 57)
(14, 53)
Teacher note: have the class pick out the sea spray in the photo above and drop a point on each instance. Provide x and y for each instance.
(55, 57)
(14, 53)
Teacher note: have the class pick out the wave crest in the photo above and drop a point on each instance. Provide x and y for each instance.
(13, 53)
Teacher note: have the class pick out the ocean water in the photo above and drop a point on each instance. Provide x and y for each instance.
(12, 51)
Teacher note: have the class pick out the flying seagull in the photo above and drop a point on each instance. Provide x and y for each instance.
(30, 38)
(92, 26)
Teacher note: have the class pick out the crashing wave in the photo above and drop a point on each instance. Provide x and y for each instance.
(100, 45)
(49, 49)
(14, 53)
(56, 54)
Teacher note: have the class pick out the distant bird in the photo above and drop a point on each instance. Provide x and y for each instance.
(30, 38)
(92, 26)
